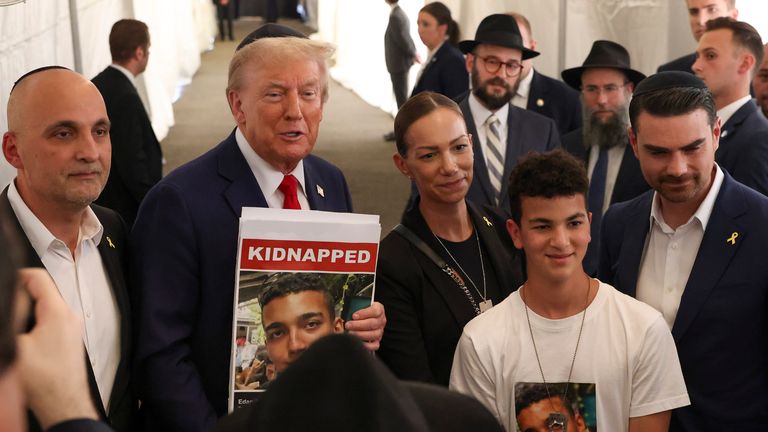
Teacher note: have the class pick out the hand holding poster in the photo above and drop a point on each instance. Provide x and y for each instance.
(300, 276)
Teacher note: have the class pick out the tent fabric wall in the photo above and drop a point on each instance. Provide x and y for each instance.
(38, 33)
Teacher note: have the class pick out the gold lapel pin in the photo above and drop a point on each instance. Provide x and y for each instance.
(732, 238)
(487, 222)
(109, 242)
(539, 102)
(320, 191)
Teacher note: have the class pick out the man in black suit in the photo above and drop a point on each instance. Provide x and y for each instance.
(606, 81)
(760, 83)
(501, 132)
(136, 156)
(399, 54)
(542, 94)
(699, 12)
(58, 141)
(729, 55)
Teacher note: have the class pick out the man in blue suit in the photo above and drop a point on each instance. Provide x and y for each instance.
(694, 249)
(501, 132)
(185, 236)
(730, 54)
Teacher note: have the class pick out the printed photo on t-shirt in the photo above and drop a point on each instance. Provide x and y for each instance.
(557, 407)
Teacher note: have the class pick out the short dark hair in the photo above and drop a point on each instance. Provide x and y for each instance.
(10, 261)
(552, 174)
(415, 108)
(744, 35)
(670, 102)
(125, 37)
(442, 14)
(294, 283)
(538, 392)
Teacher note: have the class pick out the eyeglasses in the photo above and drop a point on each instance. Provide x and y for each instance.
(608, 89)
(492, 65)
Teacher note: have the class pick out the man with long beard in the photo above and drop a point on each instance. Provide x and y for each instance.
(606, 82)
(501, 132)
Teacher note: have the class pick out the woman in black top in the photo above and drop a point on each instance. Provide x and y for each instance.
(427, 307)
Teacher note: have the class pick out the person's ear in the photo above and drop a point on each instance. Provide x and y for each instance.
(338, 325)
(515, 233)
(401, 165)
(633, 140)
(236, 106)
(469, 61)
(11, 150)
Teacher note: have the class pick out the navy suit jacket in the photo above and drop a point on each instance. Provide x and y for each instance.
(684, 64)
(446, 73)
(555, 99)
(526, 131)
(184, 250)
(629, 184)
(721, 328)
(137, 162)
(743, 150)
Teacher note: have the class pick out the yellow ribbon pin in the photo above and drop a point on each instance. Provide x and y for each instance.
(732, 238)
(487, 222)
(109, 242)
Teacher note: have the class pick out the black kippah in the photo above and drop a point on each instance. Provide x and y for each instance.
(270, 30)
(34, 71)
(668, 80)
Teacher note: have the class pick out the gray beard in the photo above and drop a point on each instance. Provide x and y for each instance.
(609, 134)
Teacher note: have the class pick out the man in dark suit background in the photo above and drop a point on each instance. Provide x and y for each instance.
(58, 141)
(501, 132)
(694, 248)
(185, 236)
(606, 81)
(399, 54)
(699, 12)
(539, 93)
(760, 83)
(136, 155)
(729, 55)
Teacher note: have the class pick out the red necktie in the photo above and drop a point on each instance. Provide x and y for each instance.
(288, 188)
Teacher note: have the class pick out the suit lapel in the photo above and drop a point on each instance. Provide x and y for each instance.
(315, 191)
(537, 92)
(731, 126)
(490, 240)
(244, 190)
(633, 243)
(514, 149)
(714, 255)
(480, 169)
(628, 165)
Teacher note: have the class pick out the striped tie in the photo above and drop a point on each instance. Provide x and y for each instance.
(494, 158)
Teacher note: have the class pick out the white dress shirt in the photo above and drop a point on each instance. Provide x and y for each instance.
(520, 99)
(615, 156)
(726, 112)
(269, 178)
(84, 286)
(480, 115)
(670, 253)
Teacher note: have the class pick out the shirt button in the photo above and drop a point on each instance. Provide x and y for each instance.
(674, 245)
(87, 314)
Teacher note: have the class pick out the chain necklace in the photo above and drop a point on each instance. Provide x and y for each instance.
(557, 421)
(486, 303)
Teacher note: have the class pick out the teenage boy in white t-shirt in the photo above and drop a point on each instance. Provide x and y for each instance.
(599, 353)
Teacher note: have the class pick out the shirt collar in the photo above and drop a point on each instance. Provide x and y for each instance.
(704, 211)
(480, 113)
(524, 88)
(725, 113)
(268, 177)
(40, 237)
(125, 72)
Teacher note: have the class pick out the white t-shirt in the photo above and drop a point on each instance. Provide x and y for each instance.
(626, 358)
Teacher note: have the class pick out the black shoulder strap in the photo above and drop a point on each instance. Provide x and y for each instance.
(421, 245)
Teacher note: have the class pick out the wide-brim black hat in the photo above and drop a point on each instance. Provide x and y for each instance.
(501, 30)
(270, 30)
(604, 54)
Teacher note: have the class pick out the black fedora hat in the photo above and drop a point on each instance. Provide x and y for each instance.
(604, 54)
(270, 30)
(498, 29)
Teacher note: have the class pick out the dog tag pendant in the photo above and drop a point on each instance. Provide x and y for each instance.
(485, 305)
(557, 422)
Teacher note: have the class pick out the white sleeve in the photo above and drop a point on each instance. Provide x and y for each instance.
(657, 381)
(470, 377)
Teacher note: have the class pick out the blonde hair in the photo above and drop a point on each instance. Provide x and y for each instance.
(277, 50)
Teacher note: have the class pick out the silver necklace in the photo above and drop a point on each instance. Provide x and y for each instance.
(557, 421)
(486, 303)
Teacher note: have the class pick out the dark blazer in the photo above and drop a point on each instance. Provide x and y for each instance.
(184, 250)
(426, 310)
(399, 51)
(555, 99)
(136, 156)
(743, 150)
(80, 425)
(684, 64)
(721, 329)
(526, 131)
(122, 403)
(446, 73)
